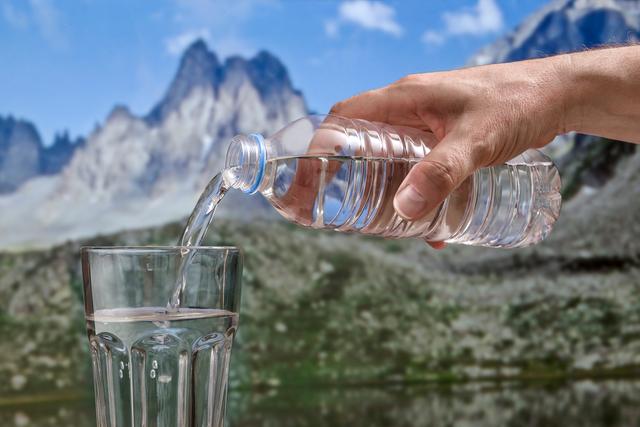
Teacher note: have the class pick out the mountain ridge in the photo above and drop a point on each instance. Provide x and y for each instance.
(198, 67)
(23, 154)
(565, 26)
(207, 103)
(138, 171)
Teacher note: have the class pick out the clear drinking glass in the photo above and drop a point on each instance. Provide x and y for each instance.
(154, 366)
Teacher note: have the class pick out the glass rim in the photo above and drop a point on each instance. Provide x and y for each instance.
(157, 248)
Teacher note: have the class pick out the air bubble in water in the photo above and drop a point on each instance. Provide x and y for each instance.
(152, 374)
(121, 373)
(154, 364)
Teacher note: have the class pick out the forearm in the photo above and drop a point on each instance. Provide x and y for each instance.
(602, 92)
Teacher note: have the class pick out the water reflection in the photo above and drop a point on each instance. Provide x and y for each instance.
(68, 414)
(583, 403)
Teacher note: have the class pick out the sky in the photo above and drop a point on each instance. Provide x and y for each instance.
(65, 64)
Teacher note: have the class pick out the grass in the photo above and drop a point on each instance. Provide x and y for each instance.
(437, 379)
(49, 397)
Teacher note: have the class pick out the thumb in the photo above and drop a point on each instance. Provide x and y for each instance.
(429, 182)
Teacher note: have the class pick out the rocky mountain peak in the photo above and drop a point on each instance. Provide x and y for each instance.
(568, 26)
(20, 146)
(139, 171)
(565, 26)
(198, 67)
(23, 155)
(57, 155)
(119, 112)
(268, 74)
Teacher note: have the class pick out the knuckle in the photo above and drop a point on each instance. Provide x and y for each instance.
(408, 79)
(337, 107)
(482, 152)
(443, 174)
(437, 174)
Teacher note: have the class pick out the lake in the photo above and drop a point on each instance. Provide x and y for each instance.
(581, 403)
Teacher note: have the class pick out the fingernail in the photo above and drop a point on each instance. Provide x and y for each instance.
(409, 203)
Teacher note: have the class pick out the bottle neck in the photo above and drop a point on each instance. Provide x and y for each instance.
(245, 162)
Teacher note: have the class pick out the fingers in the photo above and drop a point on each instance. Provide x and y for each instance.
(371, 105)
(429, 182)
(436, 245)
(391, 104)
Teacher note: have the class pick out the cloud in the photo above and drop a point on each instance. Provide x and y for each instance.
(433, 37)
(47, 19)
(230, 45)
(368, 14)
(177, 44)
(39, 14)
(484, 18)
(223, 46)
(332, 27)
(219, 22)
(14, 17)
(217, 12)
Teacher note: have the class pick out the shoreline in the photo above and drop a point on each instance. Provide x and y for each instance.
(522, 380)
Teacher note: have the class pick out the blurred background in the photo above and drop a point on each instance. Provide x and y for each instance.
(114, 115)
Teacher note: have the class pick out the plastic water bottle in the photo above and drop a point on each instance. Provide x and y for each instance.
(331, 172)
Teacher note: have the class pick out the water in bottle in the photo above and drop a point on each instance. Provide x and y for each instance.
(336, 173)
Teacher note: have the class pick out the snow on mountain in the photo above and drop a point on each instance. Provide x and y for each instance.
(142, 171)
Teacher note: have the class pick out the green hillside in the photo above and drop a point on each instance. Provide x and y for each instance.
(325, 308)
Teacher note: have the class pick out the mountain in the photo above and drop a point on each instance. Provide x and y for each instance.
(585, 162)
(20, 147)
(182, 139)
(322, 307)
(23, 155)
(566, 26)
(137, 171)
(328, 308)
(56, 156)
(199, 67)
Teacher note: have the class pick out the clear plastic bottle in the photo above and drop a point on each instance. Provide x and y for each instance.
(336, 173)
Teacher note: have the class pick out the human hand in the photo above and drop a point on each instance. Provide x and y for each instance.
(481, 116)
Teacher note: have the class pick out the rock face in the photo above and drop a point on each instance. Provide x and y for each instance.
(322, 307)
(23, 155)
(56, 156)
(182, 140)
(20, 147)
(141, 171)
(198, 68)
(567, 26)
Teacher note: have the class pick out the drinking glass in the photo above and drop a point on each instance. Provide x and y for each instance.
(154, 365)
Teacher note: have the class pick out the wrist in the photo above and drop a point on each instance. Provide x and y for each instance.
(601, 91)
(571, 90)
